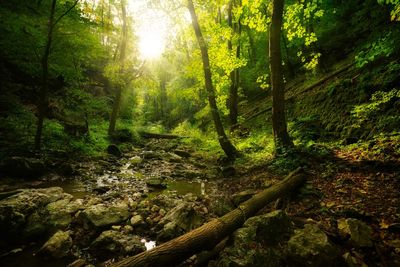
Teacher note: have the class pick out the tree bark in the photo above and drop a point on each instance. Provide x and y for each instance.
(281, 136)
(234, 75)
(225, 143)
(207, 236)
(43, 95)
(118, 92)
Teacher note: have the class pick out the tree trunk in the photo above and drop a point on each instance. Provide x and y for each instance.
(281, 136)
(210, 234)
(118, 93)
(43, 95)
(226, 145)
(234, 75)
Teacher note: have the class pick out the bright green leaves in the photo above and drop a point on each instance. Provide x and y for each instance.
(298, 20)
(395, 13)
(254, 14)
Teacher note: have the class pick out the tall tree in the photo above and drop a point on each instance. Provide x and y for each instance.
(225, 143)
(44, 89)
(234, 75)
(122, 55)
(281, 136)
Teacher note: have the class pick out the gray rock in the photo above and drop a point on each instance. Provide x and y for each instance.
(310, 247)
(179, 220)
(136, 220)
(15, 209)
(247, 251)
(101, 215)
(359, 233)
(57, 246)
(116, 243)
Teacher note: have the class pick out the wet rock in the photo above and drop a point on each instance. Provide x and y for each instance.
(136, 220)
(114, 150)
(116, 243)
(57, 246)
(358, 232)
(182, 153)
(102, 215)
(156, 183)
(310, 247)
(179, 220)
(15, 209)
(22, 167)
(242, 196)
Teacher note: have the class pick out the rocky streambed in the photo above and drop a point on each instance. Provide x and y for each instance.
(103, 210)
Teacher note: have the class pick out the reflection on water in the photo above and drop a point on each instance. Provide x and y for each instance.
(71, 186)
(183, 187)
(148, 244)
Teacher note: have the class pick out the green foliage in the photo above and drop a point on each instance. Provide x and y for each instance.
(379, 104)
(395, 13)
(384, 46)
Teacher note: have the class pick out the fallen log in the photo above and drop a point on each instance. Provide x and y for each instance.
(207, 236)
(148, 135)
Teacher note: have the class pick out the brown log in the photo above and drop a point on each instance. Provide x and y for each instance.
(207, 236)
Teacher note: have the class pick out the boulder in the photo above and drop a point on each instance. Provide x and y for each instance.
(271, 229)
(179, 220)
(101, 215)
(358, 232)
(114, 150)
(23, 167)
(136, 220)
(116, 243)
(57, 246)
(310, 247)
(15, 209)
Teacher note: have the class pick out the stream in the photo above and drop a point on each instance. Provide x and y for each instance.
(139, 175)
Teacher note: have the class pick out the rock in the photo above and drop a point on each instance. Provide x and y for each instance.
(23, 167)
(116, 243)
(182, 153)
(310, 247)
(15, 209)
(57, 246)
(136, 220)
(114, 150)
(242, 196)
(156, 183)
(179, 220)
(101, 215)
(174, 158)
(359, 233)
(272, 227)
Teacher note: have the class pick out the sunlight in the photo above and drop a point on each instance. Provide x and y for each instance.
(151, 43)
(151, 27)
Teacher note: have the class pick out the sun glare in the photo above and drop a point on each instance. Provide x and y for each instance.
(151, 43)
(151, 29)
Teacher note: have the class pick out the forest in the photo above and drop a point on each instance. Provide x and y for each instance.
(223, 133)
